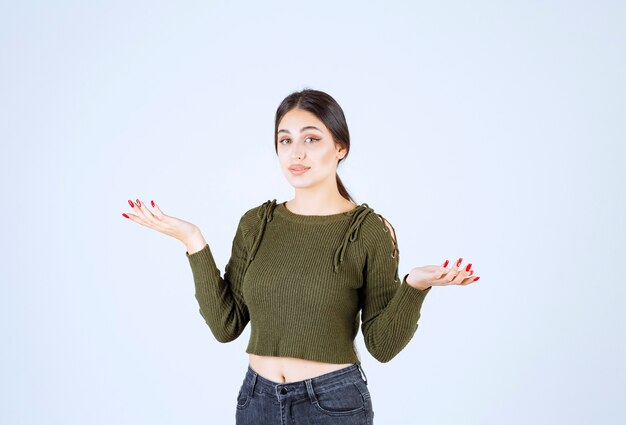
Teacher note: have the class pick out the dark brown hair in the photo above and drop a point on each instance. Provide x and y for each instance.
(327, 110)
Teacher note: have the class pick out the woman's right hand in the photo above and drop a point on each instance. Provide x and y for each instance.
(188, 233)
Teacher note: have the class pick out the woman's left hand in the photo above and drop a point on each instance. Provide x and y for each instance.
(427, 276)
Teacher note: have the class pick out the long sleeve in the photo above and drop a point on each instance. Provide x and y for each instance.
(221, 301)
(390, 309)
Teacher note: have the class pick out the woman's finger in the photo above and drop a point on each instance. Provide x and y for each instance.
(451, 275)
(137, 208)
(468, 280)
(131, 217)
(137, 217)
(463, 274)
(145, 211)
(440, 271)
(454, 272)
(157, 211)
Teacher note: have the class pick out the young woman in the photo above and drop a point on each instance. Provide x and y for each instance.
(301, 272)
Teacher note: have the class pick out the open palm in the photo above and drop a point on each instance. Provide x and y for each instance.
(425, 276)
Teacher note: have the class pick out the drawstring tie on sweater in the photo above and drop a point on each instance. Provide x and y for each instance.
(358, 215)
(265, 213)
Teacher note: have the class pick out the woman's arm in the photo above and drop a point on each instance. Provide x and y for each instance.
(391, 309)
(221, 299)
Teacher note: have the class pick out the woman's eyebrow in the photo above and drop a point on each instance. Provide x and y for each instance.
(308, 127)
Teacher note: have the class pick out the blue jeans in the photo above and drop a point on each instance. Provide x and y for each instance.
(336, 398)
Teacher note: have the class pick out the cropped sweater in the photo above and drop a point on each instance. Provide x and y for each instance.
(302, 281)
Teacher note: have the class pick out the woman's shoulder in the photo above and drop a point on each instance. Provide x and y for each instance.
(259, 210)
(379, 221)
(377, 228)
(254, 215)
(374, 219)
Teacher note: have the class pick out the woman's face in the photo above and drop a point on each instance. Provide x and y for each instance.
(303, 140)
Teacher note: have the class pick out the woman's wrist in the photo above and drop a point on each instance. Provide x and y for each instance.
(422, 286)
(194, 242)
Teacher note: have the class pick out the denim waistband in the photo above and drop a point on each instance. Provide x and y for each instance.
(321, 382)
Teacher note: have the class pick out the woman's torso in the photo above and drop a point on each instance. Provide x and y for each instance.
(290, 369)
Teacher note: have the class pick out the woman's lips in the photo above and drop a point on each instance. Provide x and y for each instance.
(298, 170)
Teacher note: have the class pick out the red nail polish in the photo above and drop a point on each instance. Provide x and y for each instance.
(138, 203)
(152, 202)
(458, 263)
(476, 278)
(469, 266)
(446, 263)
(131, 203)
(471, 272)
(124, 214)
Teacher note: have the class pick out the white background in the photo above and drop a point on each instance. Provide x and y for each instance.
(492, 131)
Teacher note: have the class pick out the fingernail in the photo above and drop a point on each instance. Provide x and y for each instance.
(469, 266)
(124, 214)
(131, 203)
(138, 203)
(476, 278)
(446, 263)
(471, 272)
(458, 263)
(152, 202)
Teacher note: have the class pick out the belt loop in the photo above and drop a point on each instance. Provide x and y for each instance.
(309, 388)
(362, 373)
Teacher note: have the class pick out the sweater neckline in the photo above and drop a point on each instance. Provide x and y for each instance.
(282, 210)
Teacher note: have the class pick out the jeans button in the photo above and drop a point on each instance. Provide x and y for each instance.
(283, 391)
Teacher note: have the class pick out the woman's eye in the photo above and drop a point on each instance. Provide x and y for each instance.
(312, 138)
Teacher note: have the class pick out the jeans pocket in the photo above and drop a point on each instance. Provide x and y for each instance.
(343, 400)
(363, 388)
(243, 397)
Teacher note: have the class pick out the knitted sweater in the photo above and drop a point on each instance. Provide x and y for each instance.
(302, 281)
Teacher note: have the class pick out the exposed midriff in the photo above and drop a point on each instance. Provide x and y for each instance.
(290, 369)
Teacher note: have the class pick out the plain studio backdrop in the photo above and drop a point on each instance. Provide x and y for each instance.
(492, 131)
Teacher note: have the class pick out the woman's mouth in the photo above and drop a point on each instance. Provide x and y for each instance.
(298, 170)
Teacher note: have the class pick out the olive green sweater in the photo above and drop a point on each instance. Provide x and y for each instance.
(302, 281)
